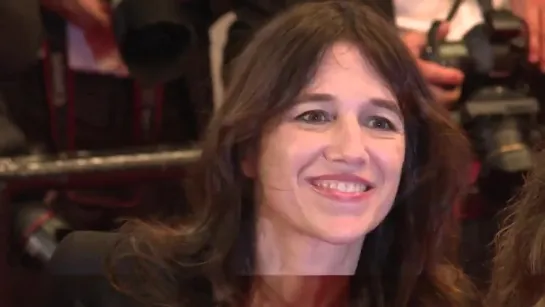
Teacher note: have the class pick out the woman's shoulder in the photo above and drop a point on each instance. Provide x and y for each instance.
(83, 252)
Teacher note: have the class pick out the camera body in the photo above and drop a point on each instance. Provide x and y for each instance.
(496, 107)
(153, 37)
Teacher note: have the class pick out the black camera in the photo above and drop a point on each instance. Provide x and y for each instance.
(496, 107)
(152, 36)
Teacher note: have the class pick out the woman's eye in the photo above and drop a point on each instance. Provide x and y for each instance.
(314, 117)
(381, 123)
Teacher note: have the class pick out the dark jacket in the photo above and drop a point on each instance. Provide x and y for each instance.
(79, 278)
(20, 34)
(78, 275)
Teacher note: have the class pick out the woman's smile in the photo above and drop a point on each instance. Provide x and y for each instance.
(341, 187)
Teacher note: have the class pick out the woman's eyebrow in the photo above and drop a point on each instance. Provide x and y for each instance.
(387, 104)
(316, 97)
(381, 103)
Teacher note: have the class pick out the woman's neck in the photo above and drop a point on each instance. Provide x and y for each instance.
(285, 251)
(295, 269)
(300, 291)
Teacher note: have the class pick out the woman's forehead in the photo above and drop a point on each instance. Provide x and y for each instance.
(346, 73)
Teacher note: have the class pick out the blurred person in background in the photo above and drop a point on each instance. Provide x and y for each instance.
(414, 19)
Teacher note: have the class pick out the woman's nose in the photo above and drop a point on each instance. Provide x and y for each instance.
(348, 142)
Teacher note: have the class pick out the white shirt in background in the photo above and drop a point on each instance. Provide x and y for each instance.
(418, 15)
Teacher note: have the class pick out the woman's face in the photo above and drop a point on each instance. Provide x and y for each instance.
(331, 168)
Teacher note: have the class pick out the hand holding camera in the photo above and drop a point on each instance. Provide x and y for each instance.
(445, 82)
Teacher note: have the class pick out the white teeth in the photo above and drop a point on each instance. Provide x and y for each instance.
(342, 186)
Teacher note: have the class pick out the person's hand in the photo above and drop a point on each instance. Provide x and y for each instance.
(438, 76)
(533, 12)
(93, 17)
(86, 14)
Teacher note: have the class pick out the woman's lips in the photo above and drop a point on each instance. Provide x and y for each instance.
(342, 187)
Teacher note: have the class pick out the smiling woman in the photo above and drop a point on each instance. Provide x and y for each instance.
(327, 178)
(329, 169)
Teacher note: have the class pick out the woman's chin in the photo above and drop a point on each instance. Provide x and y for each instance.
(341, 229)
(341, 235)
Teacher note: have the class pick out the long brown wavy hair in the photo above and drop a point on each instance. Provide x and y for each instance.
(518, 273)
(410, 259)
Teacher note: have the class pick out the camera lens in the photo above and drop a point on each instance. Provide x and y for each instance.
(158, 43)
(153, 37)
(505, 148)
